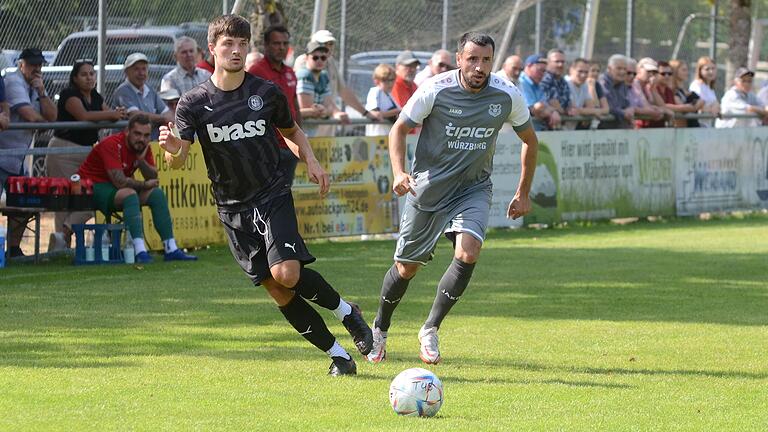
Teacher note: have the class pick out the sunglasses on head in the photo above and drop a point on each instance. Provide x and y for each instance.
(320, 57)
(84, 60)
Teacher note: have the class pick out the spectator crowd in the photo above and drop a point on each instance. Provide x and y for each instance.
(560, 94)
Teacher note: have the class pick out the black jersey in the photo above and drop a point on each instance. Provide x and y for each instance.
(237, 132)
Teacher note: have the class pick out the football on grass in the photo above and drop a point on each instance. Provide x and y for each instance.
(416, 392)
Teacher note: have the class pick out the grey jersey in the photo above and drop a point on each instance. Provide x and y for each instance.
(454, 153)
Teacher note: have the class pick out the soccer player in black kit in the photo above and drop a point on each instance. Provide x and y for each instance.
(235, 116)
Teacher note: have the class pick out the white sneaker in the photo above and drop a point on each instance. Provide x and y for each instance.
(379, 351)
(430, 352)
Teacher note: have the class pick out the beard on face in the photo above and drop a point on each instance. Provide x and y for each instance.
(470, 82)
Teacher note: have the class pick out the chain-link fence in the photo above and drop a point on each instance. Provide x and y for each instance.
(367, 25)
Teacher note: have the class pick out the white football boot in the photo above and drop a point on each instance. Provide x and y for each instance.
(430, 352)
(379, 351)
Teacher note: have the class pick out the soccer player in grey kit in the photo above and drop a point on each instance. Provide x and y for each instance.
(449, 187)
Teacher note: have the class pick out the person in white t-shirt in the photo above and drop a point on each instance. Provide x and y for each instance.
(704, 86)
(380, 100)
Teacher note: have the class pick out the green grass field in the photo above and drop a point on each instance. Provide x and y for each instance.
(647, 327)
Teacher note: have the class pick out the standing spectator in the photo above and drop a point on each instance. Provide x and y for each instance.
(739, 99)
(185, 75)
(704, 86)
(581, 101)
(554, 86)
(406, 66)
(380, 100)
(544, 116)
(439, 62)
(111, 166)
(314, 91)
(204, 60)
(4, 117)
(511, 69)
(617, 94)
(644, 96)
(338, 85)
(272, 67)
(674, 76)
(29, 102)
(135, 96)
(592, 80)
(79, 101)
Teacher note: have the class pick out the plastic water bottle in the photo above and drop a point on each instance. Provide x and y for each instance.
(90, 252)
(2, 246)
(128, 251)
(105, 246)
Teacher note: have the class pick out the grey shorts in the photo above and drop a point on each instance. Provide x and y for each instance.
(420, 230)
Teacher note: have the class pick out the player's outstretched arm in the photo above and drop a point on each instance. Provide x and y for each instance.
(521, 203)
(176, 149)
(403, 182)
(299, 145)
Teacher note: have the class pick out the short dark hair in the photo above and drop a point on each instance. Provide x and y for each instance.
(229, 25)
(139, 118)
(662, 63)
(476, 38)
(579, 60)
(275, 28)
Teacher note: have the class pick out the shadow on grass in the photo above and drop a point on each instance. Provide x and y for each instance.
(50, 315)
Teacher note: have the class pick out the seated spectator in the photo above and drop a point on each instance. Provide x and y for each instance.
(617, 94)
(185, 75)
(581, 101)
(4, 117)
(406, 66)
(644, 97)
(674, 76)
(79, 101)
(511, 69)
(252, 57)
(314, 91)
(544, 116)
(171, 98)
(137, 97)
(739, 99)
(441, 61)
(380, 100)
(339, 87)
(704, 86)
(111, 166)
(29, 102)
(553, 84)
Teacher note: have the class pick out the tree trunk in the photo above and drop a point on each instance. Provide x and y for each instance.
(740, 29)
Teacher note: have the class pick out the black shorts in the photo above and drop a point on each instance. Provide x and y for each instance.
(265, 236)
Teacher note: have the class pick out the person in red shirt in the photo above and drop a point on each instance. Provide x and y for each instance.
(111, 165)
(205, 60)
(405, 69)
(272, 67)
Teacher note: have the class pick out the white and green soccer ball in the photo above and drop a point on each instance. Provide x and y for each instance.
(416, 392)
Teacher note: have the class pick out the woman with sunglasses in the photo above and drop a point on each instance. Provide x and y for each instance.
(677, 82)
(79, 101)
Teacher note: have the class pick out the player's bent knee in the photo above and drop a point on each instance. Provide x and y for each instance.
(286, 273)
(407, 270)
(281, 295)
